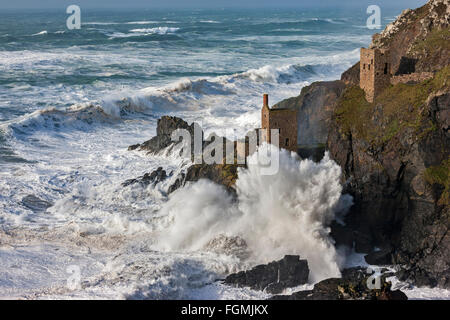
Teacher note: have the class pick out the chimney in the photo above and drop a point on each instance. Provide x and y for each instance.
(265, 99)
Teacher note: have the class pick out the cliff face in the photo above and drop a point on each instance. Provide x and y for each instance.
(395, 151)
(397, 171)
(315, 105)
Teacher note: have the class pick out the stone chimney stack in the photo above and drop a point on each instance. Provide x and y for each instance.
(265, 100)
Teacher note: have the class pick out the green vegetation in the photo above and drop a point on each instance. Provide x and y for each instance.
(435, 39)
(397, 109)
(440, 175)
(352, 111)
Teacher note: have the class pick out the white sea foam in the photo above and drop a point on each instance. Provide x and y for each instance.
(144, 32)
(285, 213)
(142, 22)
(157, 30)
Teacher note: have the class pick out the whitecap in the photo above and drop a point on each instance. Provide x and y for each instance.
(40, 33)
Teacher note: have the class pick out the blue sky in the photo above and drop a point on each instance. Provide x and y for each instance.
(205, 3)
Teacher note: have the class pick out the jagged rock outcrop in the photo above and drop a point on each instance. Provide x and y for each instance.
(154, 177)
(352, 286)
(273, 277)
(165, 127)
(224, 174)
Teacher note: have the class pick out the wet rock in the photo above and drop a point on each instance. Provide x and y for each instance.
(163, 139)
(35, 204)
(352, 286)
(342, 235)
(274, 277)
(154, 177)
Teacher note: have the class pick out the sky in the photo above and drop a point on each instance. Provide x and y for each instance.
(194, 4)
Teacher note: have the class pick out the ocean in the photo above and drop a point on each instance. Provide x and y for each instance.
(72, 101)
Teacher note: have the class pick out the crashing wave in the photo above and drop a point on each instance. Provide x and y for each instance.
(285, 213)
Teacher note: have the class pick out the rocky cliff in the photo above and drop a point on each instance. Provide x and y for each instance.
(394, 152)
(395, 158)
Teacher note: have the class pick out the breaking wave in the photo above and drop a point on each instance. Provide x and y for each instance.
(183, 95)
(40, 33)
(285, 213)
(158, 30)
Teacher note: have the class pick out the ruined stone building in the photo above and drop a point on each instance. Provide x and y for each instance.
(375, 72)
(376, 75)
(285, 120)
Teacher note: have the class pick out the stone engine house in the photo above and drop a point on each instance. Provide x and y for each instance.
(375, 72)
(283, 119)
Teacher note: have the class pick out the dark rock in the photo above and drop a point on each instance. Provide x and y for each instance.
(381, 257)
(133, 147)
(179, 182)
(35, 204)
(352, 286)
(342, 235)
(163, 139)
(149, 178)
(224, 174)
(363, 242)
(273, 277)
(392, 295)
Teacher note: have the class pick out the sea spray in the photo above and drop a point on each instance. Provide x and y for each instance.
(285, 213)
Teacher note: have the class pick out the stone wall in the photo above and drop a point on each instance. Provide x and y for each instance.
(283, 119)
(411, 78)
(286, 121)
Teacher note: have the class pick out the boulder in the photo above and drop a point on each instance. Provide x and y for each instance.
(352, 286)
(154, 177)
(274, 277)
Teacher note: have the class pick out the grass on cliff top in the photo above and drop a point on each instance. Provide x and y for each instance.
(398, 108)
(440, 175)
